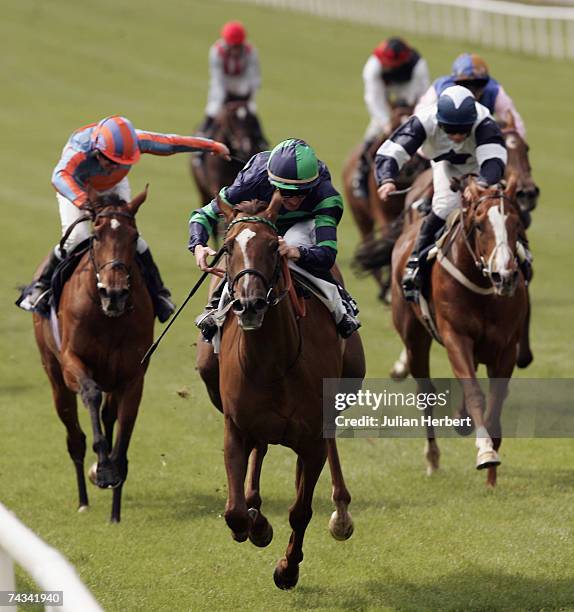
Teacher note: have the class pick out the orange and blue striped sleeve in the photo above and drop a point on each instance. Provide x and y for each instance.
(169, 144)
(65, 177)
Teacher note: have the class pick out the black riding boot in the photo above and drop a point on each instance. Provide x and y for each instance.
(411, 277)
(35, 296)
(160, 295)
(206, 321)
(361, 176)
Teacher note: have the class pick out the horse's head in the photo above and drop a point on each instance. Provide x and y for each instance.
(527, 191)
(492, 226)
(253, 261)
(113, 249)
(238, 129)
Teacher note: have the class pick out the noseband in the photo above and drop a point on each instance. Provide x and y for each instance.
(270, 298)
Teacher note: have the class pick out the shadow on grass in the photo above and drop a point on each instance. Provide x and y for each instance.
(473, 590)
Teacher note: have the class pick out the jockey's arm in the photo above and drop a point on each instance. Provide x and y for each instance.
(216, 94)
(428, 97)
(375, 96)
(421, 77)
(491, 153)
(504, 105)
(254, 72)
(401, 145)
(65, 177)
(169, 144)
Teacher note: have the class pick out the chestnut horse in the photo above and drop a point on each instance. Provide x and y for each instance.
(479, 302)
(268, 382)
(233, 126)
(105, 322)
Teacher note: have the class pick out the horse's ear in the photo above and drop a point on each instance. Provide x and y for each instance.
(134, 205)
(226, 210)
(510, 123)
(511, 185)
(272, 211)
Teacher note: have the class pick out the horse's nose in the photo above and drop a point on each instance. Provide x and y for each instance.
(113, 300)
(255, 305)
(528, 197)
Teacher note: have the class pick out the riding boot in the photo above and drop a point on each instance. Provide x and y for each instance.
(35, 297)
(160, 295)
(206, 321)
(411, 281)
(360, 182)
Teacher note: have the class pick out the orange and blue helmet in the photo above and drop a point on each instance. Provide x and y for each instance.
(115, 138)
(470, 67)
(233, 33)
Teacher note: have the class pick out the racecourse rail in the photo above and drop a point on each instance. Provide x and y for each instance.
(49, 569)
(546, 31)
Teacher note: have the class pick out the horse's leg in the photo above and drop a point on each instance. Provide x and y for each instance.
(461, 413)
(67, 408)
(460, 351)
(498, 390)
(309, 468)
(78, 379)
(525, 356)
(260, 530)
(236, 451)
(341, 523)
(207, 365)
(127, 410)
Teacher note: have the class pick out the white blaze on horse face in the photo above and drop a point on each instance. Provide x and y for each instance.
(114, 223)
(502, 252)
(242, 239)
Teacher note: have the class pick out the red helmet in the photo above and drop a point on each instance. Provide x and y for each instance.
(233, 33)
(393, 53)
(116, 138)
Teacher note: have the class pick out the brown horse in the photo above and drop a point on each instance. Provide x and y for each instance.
(268, 384)
(376, 220)
(234, 126)
(105, 322)
(478, 300)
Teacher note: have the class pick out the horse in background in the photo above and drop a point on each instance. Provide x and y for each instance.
(105, 321)
(267, 381)
(478, 301)
(235, 126)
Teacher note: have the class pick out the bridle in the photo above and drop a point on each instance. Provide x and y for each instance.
(270, 298)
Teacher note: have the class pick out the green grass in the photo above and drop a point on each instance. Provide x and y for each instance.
(440, 543)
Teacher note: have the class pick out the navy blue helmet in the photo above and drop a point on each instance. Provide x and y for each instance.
(456, 109)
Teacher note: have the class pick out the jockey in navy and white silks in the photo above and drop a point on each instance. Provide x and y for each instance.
(394, 74)
(471, 71)
(460, 137)
(307, 220)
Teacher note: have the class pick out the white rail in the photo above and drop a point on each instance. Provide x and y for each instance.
(533, 30)
(49, 569)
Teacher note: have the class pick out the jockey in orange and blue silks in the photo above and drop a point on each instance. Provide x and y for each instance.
(99, 156)
(471, 71)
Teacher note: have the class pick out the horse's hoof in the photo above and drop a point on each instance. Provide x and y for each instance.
(92, 474)
(240, 536)
(283, 579)
(399, 371)
(341, 529)
(464, 430)
(107, 476)
(261, 539)
(523, 361)
(431, 469)
(83, 509)
(486, 459)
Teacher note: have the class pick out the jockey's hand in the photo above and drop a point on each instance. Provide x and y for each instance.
(201, 254)
(222, 150)
(385, 190)
(286, 250)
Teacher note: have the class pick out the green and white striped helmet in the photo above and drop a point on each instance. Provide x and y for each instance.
(293, 165)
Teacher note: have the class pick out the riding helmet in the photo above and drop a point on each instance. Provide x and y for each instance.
(115, 138)
(293, 165)
(456, 108)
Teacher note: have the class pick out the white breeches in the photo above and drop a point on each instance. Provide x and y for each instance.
(445, 200)
(69, 213)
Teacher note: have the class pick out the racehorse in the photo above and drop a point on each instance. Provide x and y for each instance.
(478, 301)
(105, 322)
(267, 381)
(377, 220)
(234, 126)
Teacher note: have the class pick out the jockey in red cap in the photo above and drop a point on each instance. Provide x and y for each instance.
(99, 156)
(394, 73)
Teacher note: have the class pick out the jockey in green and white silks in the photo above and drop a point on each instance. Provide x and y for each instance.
(308, 218)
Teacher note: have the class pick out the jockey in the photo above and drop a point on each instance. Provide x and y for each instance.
(99, 156)
(311, 210)
(234, 75)
(460, 137)
(471, 71)
(395, 74)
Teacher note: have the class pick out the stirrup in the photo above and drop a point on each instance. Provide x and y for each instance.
(347, 326)
(35, 299)
(207, 325)
(410, 283)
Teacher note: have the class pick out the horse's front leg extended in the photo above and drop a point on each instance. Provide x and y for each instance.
(460, 351)
(341, 524)
(78, 378)
(236, 452)
(260, 530)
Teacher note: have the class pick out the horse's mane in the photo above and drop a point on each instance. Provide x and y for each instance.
(251, 207)
(109, 199)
